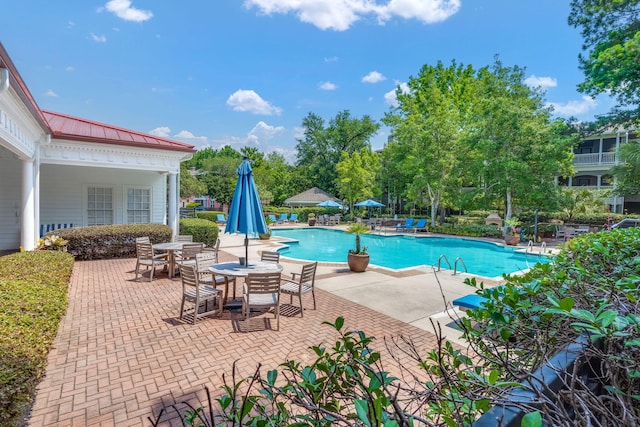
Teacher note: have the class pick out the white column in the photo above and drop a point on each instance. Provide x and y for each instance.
(172, 219)
(27, 233)
(36, 195)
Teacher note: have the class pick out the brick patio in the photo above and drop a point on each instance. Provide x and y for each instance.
(122, 353)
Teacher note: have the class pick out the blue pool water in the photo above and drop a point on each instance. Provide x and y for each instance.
(396, 252)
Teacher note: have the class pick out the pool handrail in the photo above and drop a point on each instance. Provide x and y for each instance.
(455, 265)
(446, 260)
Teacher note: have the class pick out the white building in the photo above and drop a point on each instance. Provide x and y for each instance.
(593, 158)
(59, 169)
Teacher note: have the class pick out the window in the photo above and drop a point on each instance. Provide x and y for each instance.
(99, 205)
(138, 205)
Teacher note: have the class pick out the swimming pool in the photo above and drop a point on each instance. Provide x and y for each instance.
(397, 252)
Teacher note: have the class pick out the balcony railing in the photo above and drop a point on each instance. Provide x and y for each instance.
(594, 159)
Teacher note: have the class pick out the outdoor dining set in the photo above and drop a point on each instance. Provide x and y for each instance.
(209, 286)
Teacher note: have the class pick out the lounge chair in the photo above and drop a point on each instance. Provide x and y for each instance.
(408, 223)
(283, 218)
(273, 219)
(221, 219)
(473, 301)
(293, 217)
(420, 225)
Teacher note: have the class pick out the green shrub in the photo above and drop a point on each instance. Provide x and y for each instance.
(110, 241)
(209, 215)
(33, 299)
(202, 230)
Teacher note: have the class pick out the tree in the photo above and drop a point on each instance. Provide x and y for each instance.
(356, 175)
(189, 184)
(611, 33)
(627, 173)
(519, 150)
(427, 129)
(320, 150)
(220, 174)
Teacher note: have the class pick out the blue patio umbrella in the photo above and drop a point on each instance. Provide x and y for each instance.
(329, 204)
(369, 204)
(245, 214)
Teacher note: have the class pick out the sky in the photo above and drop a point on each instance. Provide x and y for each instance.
(246, 72)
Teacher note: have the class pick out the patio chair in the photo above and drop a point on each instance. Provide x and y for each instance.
(147, 258)
(420, 225)
(283, 218)
(215, 248)
(221, 219)
(143, 239)
(408, 223)
(183, 238)
(187, 255)
(200, 295)
(270, 256)
(262, 290)
(293, 217)
(273, 219)
(304, 285)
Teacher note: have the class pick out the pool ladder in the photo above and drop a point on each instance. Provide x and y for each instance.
(530, 245)
(455, 263)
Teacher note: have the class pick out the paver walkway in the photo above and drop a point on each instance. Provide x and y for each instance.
(121, 352)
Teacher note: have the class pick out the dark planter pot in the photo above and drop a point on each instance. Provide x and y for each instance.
(358, 263)
(264, 236)
(311, 222)
(511, 240)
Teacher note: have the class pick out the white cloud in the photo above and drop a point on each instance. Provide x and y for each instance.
(328, 86)
(162, 132)
(373, 77)
(574, 108)
(250, 101)
(98, 39)
(331, 59)
(51, 93)
(70, 68)
(185, 134)
(263, 132)
(391, 98)
(340, 15)
(543, 82)
(71, 24)
(123, 10)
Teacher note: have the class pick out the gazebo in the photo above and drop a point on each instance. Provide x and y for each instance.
(308, 198)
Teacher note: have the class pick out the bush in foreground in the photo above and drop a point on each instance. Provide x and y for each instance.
(33, 299)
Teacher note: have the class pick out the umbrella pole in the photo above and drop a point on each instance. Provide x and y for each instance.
(246, 249)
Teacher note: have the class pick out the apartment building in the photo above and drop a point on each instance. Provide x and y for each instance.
(593, 159)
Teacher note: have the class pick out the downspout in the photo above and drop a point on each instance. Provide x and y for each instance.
(4, 80)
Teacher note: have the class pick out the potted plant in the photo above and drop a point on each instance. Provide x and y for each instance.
(267, 235)
(512, 231)
(358, 259)
(311, 219)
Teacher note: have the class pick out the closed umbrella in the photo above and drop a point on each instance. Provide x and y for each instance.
(245, 214)
(329, 204)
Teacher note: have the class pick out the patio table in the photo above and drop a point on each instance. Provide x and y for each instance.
(170, 248)
(235, 269)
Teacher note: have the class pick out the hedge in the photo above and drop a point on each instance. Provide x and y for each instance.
(33, 299)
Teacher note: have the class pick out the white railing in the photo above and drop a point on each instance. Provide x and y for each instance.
(594, 158)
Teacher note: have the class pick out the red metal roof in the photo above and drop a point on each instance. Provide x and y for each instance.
(21, 88)
(73, 128)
